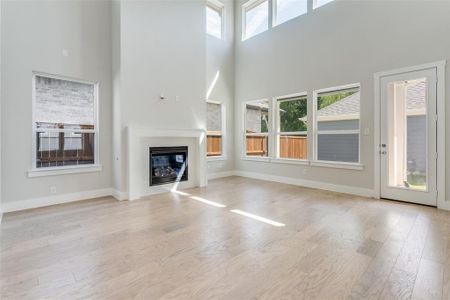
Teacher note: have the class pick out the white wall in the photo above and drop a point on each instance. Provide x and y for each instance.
(161, 50)
(220, 58)
(34, 34)
(340, 43)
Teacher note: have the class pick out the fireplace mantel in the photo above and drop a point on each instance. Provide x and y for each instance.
(134, 136)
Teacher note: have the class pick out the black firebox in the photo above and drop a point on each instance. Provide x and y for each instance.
(168, 164)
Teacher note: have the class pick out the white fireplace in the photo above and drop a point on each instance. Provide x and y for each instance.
(141, 139)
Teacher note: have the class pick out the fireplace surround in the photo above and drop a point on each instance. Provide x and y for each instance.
(168, 165)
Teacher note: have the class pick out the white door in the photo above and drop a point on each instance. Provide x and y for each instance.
(408, 137)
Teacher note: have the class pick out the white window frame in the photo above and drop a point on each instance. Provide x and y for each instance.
(49, 171)
(315, 161)
(220, 8)
(250, 5)
(267, 134)
(223, 129)
(276, 118)
(316, 6)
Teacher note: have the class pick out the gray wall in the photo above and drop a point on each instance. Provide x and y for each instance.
(33, 35)
(161, 50)
(340, 43)
(220, 58)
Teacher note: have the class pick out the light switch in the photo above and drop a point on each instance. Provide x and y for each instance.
(366, 131)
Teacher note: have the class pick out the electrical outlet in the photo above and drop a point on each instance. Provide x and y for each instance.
(53, 189)
(305, 171)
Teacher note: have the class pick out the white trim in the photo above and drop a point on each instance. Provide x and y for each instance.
(53, 200)
(337, 165)
(256, 158)
(77, 169)
(216, 158)
(290, 161)
(119, 195)
(442, 203)
(308, 183)
(220, 175)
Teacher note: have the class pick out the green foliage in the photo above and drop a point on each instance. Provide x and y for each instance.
(326, 100)
(290, 113)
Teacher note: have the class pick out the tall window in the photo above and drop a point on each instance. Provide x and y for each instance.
(215, 128)
(255, 17)
(292, 127)
(257, 128)
(337, 124)
(64, 122)
(214, 18)
(285, 10)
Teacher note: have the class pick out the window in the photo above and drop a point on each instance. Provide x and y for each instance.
(337, 124)
(214, 19)
(257, 128)
(285, 10)
(255, 18)
(215, 128)
(292, 127)
(64, 122)
(319, 3)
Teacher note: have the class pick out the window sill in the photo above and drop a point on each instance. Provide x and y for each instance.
(216, 158)
(337, 165)
(290, 161)
(256, 158)
(64, 170)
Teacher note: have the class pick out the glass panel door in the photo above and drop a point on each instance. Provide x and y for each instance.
(408, 137)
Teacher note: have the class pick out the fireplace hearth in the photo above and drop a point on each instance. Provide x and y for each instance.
(168, 164)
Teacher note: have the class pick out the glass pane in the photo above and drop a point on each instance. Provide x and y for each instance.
(257, 145)
(214, 145)
(213, 22)
(214, 117)
(407, 134)
(289, 9)
(338, 110)
(257, 19)
(257, 117)
(338, 147)
(293, 146)
(63, 104)
(319, 3)
(292, 115)
(55, 149)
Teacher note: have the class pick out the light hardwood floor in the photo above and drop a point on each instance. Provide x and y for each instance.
(173, 246)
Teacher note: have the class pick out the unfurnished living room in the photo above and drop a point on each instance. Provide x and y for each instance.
(224, 149)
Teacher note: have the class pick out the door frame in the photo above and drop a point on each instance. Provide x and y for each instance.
(440, 95)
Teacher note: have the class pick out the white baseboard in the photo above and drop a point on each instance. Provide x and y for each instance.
(221, 174)
(119, 195)
(309, 183)
(52, 200)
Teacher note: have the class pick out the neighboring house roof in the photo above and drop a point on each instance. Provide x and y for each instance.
(348, 108)
(345, 109)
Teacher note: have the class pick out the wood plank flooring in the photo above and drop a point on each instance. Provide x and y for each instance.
(191, 245)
